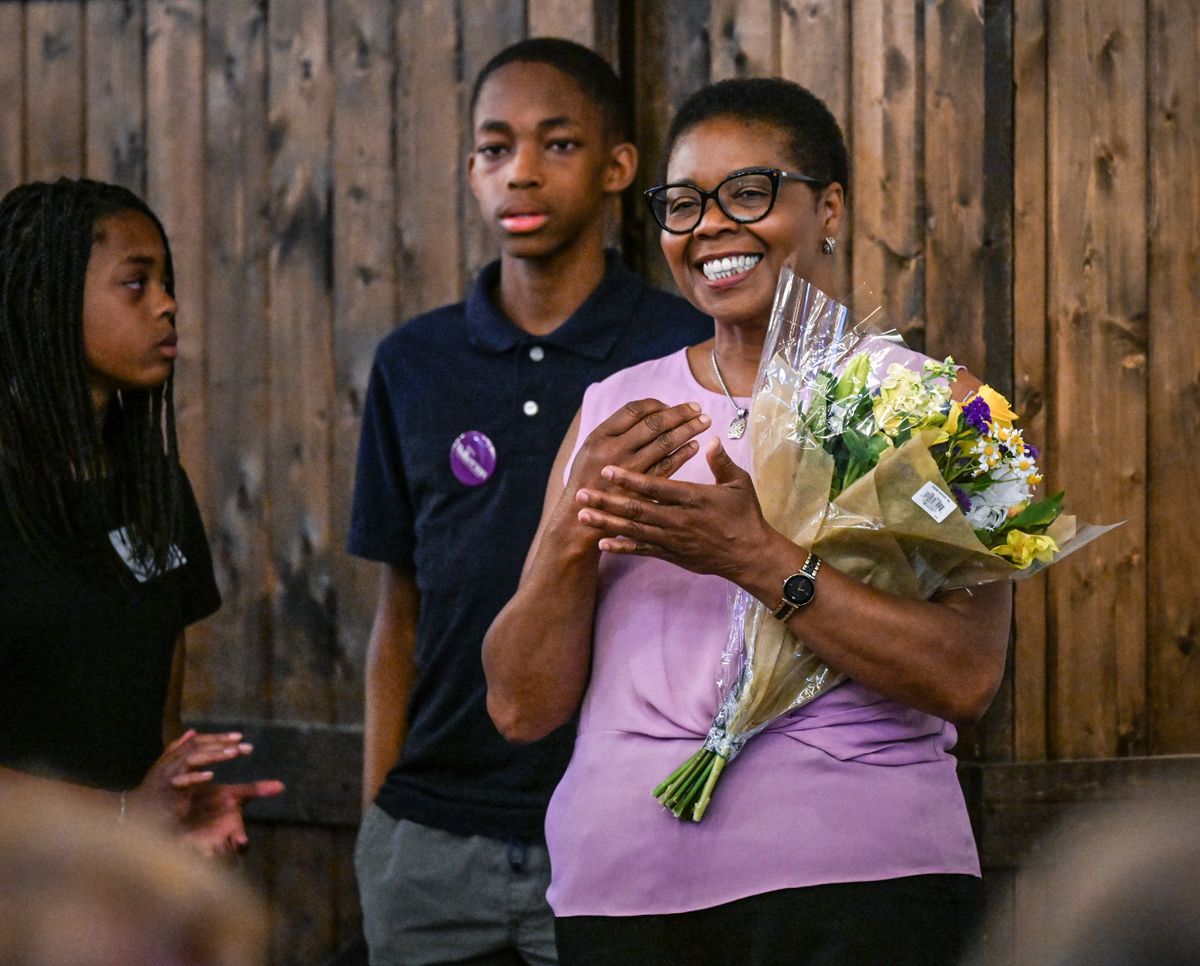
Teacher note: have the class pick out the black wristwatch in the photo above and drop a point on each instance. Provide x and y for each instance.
(799, 589)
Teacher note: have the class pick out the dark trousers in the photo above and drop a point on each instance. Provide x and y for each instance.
(922, 920)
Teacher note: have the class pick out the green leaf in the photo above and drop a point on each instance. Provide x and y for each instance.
(1038, 515)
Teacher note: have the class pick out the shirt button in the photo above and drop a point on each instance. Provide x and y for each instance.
(530, 407)
(537, 353)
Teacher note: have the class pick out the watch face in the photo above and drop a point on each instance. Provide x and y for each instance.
(799, 589)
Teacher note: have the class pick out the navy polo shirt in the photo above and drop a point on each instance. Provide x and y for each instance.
(463, 418)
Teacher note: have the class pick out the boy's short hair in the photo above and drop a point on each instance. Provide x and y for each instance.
(813, 134)
(588, 69)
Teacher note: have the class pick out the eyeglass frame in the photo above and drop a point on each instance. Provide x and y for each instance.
(776, 175)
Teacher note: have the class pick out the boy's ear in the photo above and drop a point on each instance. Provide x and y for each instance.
(471, 173)
(622, 166)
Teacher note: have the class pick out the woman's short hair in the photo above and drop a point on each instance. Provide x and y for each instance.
(814, 137)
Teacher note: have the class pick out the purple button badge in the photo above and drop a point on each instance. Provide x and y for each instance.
(473, 458)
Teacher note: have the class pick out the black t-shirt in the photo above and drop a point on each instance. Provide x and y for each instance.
(85, 654)
(463, 417)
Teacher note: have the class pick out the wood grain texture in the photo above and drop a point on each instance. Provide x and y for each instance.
(814, 43)
(1096, 117)
(301, 372)
(745, 38)
(175, 185)
(232, 674)
(54, 105)
(954, 139)
(12, 104)
(889, 254)
(115, 93)
(364, 290)
(1030, 336)
(1173, 631)
(570, 19)
(430, 158)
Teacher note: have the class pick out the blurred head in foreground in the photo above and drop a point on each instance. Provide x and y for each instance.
(78, 889)
(1119, 889)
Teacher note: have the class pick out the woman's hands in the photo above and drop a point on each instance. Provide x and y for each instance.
(705, 528)
(179, 792)
(644, 437)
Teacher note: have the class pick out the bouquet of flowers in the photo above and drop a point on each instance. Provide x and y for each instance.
(859, 452)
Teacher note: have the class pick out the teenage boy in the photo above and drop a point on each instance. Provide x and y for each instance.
(466, 408)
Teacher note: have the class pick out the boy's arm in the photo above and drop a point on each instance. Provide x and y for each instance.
(390, 670)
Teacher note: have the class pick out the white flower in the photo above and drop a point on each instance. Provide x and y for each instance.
(990, 507)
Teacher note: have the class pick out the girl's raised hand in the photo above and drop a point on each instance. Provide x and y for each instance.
(166, 793)
(715, 528)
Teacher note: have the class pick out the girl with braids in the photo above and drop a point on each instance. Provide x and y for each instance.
(103, 557)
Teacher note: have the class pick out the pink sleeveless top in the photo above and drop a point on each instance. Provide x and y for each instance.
(851, 787)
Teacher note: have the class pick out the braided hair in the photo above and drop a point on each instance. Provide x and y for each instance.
(64, 474)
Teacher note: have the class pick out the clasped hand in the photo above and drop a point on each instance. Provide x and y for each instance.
(179, 792)
(637, 509)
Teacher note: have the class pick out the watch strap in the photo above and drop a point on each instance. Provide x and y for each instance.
(810, 568)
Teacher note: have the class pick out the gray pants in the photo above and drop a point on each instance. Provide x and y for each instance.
(432, 897)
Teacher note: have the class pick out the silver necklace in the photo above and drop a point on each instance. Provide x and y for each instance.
(737, 426)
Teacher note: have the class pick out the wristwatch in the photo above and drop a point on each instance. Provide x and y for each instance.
(799, 589)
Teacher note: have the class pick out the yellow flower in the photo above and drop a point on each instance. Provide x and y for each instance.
(854, 376)
(1024, 548)
(1001, 410)
(950, 426)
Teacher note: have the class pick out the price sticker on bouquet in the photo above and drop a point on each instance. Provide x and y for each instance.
(933, 501)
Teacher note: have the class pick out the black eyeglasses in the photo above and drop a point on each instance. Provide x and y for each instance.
(745, 196)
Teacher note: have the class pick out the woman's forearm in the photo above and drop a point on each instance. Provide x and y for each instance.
(537, 653)
(945, 657)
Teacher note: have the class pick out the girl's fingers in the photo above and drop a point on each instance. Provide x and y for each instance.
(191, 778)
(211, 755)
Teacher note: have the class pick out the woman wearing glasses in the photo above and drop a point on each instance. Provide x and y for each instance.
(844, 838)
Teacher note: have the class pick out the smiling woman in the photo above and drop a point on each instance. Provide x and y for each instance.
(846, 839)
(103, 557)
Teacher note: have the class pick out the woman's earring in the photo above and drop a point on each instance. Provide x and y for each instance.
(829, 244)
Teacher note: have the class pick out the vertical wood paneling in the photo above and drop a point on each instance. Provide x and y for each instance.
(301, 89)
(364, 279)
(302, 407)
(1029, 347)
(486, 27)
(745, 38)
(175, 190)
(814, 43)
(12, 104)
(429, 158)
(115, 90)
(307, 159)
(663, 83)
(954, 132)
(1097, 303)
(885, 94)
(232, 676)
(1173, 530)
(53, 90)
(572, 19)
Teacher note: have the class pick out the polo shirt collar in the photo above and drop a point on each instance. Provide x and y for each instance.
(591, 331)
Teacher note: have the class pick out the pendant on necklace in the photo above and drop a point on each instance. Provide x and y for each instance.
(737, 428)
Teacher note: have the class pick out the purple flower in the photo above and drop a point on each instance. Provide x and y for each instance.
(962, 496)
(977, 414)
(1032, 451)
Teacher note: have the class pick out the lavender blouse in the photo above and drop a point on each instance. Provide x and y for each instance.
(850, 787)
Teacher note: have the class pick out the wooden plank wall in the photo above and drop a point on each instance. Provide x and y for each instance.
(1025, 188)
